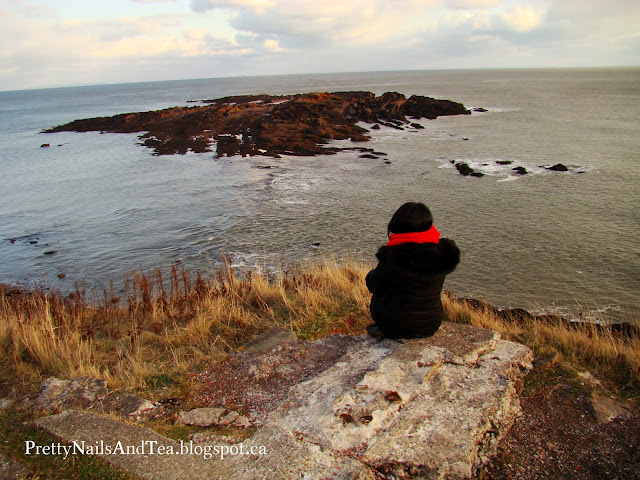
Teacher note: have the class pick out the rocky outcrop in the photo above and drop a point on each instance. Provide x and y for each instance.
(82, 392)
(431, 408)
(212, 417)
(57, 395)
(268, 125)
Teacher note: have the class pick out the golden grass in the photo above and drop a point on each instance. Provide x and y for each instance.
(161, 328)
(611, 357)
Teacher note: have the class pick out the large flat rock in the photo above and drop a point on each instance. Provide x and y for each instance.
(431, 408)
(101, 434)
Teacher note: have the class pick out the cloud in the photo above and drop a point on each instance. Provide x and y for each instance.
(454, 26)
(470, 4)
(324, 24)
(231, 37)
(204, 5)
(522, 19)
(273, 45)
(55, 50)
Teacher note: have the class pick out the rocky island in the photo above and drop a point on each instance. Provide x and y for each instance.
(269, 125)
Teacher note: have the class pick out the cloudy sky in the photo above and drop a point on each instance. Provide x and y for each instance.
(74, 42)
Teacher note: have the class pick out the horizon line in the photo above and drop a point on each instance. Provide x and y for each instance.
(55, 87)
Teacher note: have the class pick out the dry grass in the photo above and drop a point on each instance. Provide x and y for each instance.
(611, 357)
(163, 327)
(167, 326)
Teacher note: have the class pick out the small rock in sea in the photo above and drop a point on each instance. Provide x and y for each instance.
(387, 162)
(392, 125)
(315, 244)
(376, 127)
(13, 240)
(50, 252)
(62, 275)
(504, 162)
(33, 242)
(520, 170)
(45, 145)
(463, 138)
(480, 109)
(466, 170)
(558, 167)
(368, 155)
(417, 126)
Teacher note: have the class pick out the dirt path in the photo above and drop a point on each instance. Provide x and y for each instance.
(558, 437)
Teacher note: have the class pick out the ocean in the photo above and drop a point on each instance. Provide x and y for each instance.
(555, 242)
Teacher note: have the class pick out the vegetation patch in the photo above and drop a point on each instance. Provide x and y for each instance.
(148, 339)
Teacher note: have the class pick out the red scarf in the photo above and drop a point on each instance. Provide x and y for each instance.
(429, 236)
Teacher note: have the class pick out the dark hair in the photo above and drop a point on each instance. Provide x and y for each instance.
(410, 217)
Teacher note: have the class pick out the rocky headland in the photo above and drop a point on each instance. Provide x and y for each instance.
(269, 125)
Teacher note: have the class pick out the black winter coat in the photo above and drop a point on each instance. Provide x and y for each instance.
(407, 285)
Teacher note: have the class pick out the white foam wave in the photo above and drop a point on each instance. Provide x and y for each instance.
(493, 110)
(290, 189)
(509, 169)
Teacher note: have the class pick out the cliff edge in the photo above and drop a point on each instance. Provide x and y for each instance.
(347, 408)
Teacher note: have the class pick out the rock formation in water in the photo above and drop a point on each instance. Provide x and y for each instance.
(558, 167)
(268, 125)
(466, 170)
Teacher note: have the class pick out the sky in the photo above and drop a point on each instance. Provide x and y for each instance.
(48, 43)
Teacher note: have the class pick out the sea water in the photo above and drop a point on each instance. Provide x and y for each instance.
(562, 242)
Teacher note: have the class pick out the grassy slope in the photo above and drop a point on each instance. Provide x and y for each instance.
(163, 327)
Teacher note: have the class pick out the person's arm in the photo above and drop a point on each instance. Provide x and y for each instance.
(449, 255)
(377, 279)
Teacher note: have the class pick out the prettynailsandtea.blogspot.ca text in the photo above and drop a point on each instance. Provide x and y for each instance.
(145, 447)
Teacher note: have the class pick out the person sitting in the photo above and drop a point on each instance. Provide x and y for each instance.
(407, 282)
